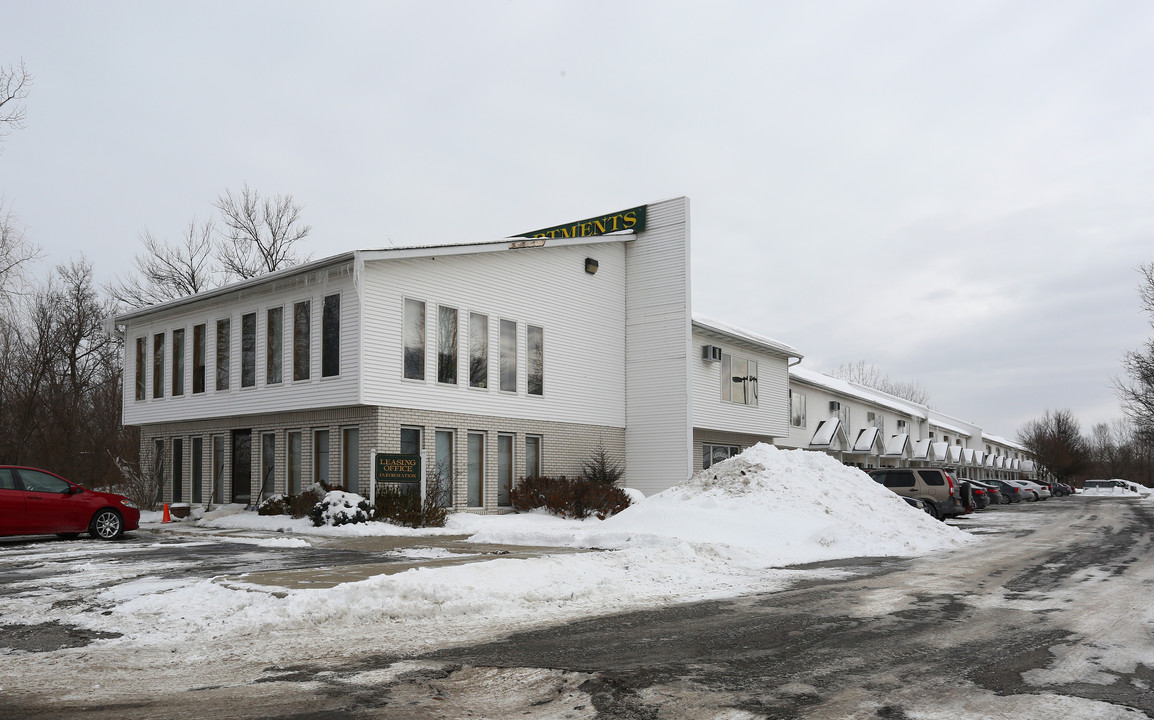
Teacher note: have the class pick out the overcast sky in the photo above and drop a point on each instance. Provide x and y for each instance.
(958, 193)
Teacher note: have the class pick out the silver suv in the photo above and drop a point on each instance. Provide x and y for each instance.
(944, 495)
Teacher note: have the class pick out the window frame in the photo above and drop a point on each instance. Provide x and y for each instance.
(535, 360)
(331, 336)
(507, 358)
(248, 350)
(142, 368)
(158, 366)
(413, 359)
(223, 354)
(448, 347)
(797, 411)
(274, 345)
(199, 358)
(478, 352)
(728, 386)
(177, 362)
(302, 347)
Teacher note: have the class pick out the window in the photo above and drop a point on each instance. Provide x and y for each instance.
(899, 479)
(141, 382)
(843, 415)
(294, 463)
(198, 359)
(321, 456)
(351, 449)
(532, 456)
(248, 350)
(739, 381)
(712, 453)
(876, 419)
(903, 428)
(331, 336)
(410, 441)
(476, 489)
(796, 408)
(504, 469)
(177, 467)
(536, 360)
(478, 350)
(301, 339)
(178, 362)
(36, 481)
(267, 465)
(447, 345)
(158, 365)
(443, 468)
(508, 356)
(414, 339)
(223, 352)
(274, 333)
(198, 468)
(158, 467)
(218, 450)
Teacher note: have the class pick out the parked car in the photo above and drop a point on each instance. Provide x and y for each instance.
(918, 504)
(1011, 492)
(981, 497)
(37, 502)
(942, 494)
(993, 492)
(1037, 491)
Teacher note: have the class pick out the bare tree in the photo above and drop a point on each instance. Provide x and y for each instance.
(165, 271)
(259, 234)
(871, 376)
(1137, 390)
(14, 85)
(1057, 444)
(15, 255)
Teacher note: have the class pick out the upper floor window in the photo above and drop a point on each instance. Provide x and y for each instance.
(902, 427)
(536, 338)
(478, 350)
(739, 381)
(843, 416)
(223, 352)
(158, 365)
(796, 408)
(301, 339)
(141, 355)
(198, 358)
(274, 333)
(248, 350)
(331, 336)
(508, 360)
(447, 345)
(876, 419)
(178, 361)
(414, 339)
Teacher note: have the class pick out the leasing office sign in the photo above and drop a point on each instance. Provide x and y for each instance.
(632, 219)
(394, 468)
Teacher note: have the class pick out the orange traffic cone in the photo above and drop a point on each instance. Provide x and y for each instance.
(167, 517)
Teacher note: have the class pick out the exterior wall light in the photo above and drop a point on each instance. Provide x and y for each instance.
(591, 266)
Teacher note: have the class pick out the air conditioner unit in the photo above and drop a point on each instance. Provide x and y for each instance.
(710, 353)
(834, 406)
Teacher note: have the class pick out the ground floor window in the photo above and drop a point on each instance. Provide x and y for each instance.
(321, 456)
(177, 470)
(218, 452)
(267, 465)
(712, 453)
(294, 463)
(351, 452)
(443, 468)
(504, 469)
(532, 456)
(476, 489)
(158, 468)
(197, 469)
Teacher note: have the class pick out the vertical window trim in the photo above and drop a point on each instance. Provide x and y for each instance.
(330, 337)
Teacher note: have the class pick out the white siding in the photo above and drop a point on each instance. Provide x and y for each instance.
(314, 393)
(582, 315)
(769, 418)
(658, 406)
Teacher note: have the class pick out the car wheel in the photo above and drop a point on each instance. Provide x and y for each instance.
(106, 525)
(932, 511)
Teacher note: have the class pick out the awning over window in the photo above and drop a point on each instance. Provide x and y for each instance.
(925, 450)
(869, 440)
(1028, 466)
(969, 456)
(898, 446)
(954, 454)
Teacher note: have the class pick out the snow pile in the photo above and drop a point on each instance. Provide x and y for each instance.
(788, 506)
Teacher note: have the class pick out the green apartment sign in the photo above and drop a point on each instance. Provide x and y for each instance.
(396, 468)
(631, 219)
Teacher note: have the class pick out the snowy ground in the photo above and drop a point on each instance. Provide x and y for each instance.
(731, 530)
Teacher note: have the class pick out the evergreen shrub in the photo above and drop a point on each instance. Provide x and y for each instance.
(578, 498)
(403, 506)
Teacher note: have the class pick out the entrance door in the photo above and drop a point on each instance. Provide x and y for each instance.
(242, 466)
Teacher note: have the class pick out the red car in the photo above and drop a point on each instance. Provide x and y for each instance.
(37, 502)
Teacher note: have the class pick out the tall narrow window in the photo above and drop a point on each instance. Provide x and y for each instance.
(248, 350)
(504, 469)
(178, 469)
(274, 332)
(198, 359)
(476, 469)
(178, 361)
(294, 463)
(443, 468)
(738, 380)
(158, 468)
(321, 456)
(414, 339)
(141, 359)
(331, 336)
(223, 352)
(302, 312)
(267, 465)
(410, 441)
(447, 345)
(509, 355)
(796, 409)
(218, 457)
(478, 350)
(158, 365)
(536, 337)
(197, 470)
(350, 462)
(532, 456)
